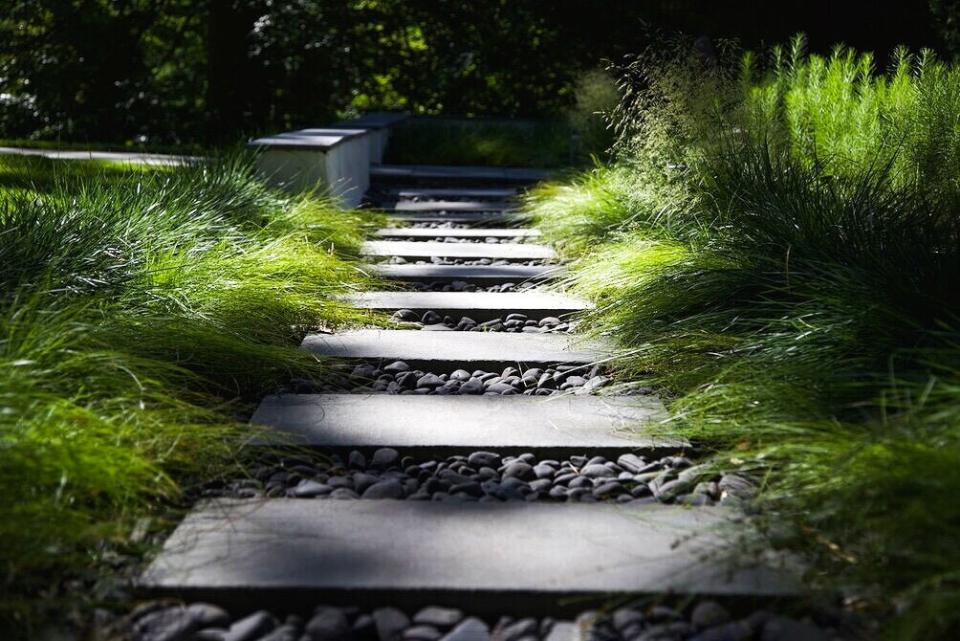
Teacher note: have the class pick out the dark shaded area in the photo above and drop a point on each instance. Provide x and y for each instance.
(174, 71)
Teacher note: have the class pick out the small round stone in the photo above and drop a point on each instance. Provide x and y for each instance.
(396, 366)
(709, 613)
(597, 470)
(405, 315)
(385, 457)
(519, 470)
(327, 624)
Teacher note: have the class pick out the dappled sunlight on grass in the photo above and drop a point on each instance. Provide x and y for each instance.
(778, 251)
(143, 313)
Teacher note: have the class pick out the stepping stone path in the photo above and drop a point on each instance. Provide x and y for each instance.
(481, 274)
(428, 234)
(429, 249)
(504, 491)
(479, 306)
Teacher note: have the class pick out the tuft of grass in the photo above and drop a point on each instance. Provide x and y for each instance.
(142, 314)
(777, 248)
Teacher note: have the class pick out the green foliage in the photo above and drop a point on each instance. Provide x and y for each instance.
(468, 141)
(119, 70)
(595, 97)
(175, 71)
(141, 316)
(778, 249)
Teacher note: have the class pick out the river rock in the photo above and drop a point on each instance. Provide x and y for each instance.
(388, 489)
(327, 624)
(251, 627)
(385, 457)
(390, 623)
(438, 617)
(470, 629)
(709, 613)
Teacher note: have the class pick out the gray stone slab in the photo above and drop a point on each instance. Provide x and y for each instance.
(426, 249)
(474, 218)
(466, 173)
(477, 305)
(453, 205)
(485, 274)
(521, 556)
(469, 350)
(452, 192)
(552, 425)
(306, 139)
(483, 232)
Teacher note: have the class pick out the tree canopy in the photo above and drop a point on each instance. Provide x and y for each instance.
(211, 70)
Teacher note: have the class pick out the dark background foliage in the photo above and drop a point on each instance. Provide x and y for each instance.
(174, 71)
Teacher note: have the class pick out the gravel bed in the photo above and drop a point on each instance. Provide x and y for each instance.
(478, 223)
(398, 377)
(437, 260)
(696, 620)
(515, 323)
(487, 240)
(490, 478)
(462, 286)
(435, 225)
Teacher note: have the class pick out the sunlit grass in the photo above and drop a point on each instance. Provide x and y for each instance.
(142, 314)
(778, 251)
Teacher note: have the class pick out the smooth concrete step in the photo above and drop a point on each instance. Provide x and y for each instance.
(480, 274)
(435, 425)
(447, 351)
(453, 205)
(492, 232)
(495, 193)
(470, 218)
(462, 174)
(517, 558)
(427, 249)
(479, 306)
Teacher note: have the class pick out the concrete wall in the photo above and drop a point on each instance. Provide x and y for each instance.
(348, 170)
(342, 170)
(336, 160)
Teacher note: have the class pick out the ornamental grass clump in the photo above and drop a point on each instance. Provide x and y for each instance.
(783, 263)
(141, 316)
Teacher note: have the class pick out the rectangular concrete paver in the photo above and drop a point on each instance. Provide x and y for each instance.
(469, 350)
(479, 306)
(517, 556)
(426, 249)
(470, 218)
(463, 173)
(551, 425)
(497, 193)
(492, 232)
(485, 274)
(453, 205)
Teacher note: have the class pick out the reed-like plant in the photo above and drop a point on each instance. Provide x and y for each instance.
(142, 313)
(778, 251)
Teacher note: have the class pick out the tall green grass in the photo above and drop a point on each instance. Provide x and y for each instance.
(142, 313)
(778, 247)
